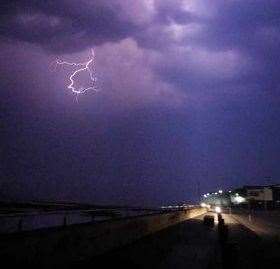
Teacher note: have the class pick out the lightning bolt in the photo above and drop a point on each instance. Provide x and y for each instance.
(79, 68)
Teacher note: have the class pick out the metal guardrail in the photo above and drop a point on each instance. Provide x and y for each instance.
(17, 222)
(18, 217)
(83, 241)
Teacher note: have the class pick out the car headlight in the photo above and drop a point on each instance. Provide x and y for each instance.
(218, 209)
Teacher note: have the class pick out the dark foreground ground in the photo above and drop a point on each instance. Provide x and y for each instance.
(189, 244)
(192, 245)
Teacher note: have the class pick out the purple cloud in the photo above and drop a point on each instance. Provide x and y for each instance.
(189, 91)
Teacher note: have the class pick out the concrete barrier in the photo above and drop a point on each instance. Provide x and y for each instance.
(63, 245)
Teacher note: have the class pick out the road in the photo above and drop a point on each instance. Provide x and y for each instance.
(252, 250)
(192, 245)
(264, 223)
(186, 245)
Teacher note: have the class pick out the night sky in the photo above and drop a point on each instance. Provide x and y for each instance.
(189, 93)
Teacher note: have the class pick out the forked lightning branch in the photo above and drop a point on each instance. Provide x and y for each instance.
(78, 69)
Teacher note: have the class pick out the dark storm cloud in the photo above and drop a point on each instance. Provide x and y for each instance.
(233, 42)
(237, 24)
(167, 11)
(64, 26)
(190, 93)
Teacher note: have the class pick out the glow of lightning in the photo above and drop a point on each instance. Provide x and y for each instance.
(83, 66)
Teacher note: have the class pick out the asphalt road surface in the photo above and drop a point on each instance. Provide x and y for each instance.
(264, 223)
(186, 245)
(192, 245)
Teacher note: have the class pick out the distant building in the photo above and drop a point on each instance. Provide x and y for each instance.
(263, 196)
(276, 195)
(259, 193)
(253, 196)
